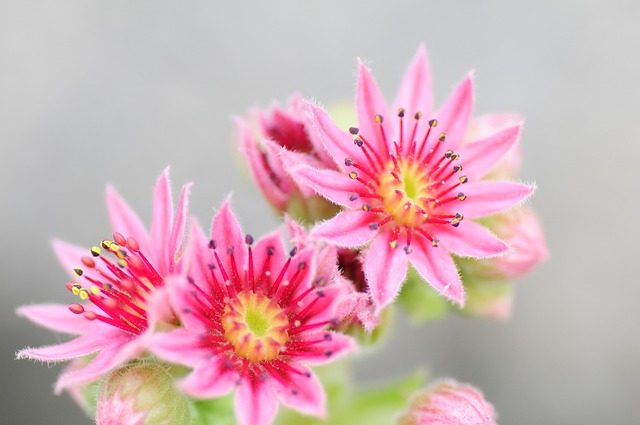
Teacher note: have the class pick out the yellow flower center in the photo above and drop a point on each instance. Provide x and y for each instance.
(406, 192)
(255, 326)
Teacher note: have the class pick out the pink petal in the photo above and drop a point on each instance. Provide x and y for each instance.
(275, 153)
(333, 185)
(332, 348)
(415, 95)
(161, 223)
(453, 117)
(227, 234)
(338, 143)
(256, 402)
(184, 303)
(348, 228)
(481, 156)
(57, 317)
(296, 232)
(369, 103)
(436, 266)
(385, 269)
(197, 256)
(470, 239)
(258, 167)
(179, 226)
(489, 197)
(209, 379)
(304, 393)
(179, 346)
(124, 220)
(101, 364)
(77, 347)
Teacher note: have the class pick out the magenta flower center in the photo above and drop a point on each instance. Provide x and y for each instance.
(415, 188)
(255, 325)
(118, 288)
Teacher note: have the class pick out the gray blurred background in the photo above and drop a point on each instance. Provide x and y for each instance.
(114, 91)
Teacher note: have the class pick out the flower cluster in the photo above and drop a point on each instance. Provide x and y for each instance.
(165, 332)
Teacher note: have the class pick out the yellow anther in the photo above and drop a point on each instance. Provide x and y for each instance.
(393, 244)
(95, 251)
(443, 137)
(462, 196)
(433, 123)
(106, 243)
(463, 179)
(366, 207)
(353, 175)
(83, 294)
(75, 289)
(434, 243)
(379, 118)
(78, 271)
(114, 247)
(418, 115)
(455, 156)
(122, 263)
(95, 290)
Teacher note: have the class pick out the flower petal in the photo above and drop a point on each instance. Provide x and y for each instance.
(303, 393)
(335, 345)
(57, 317)
(481, 156)
(209, 379)
(183, 298)
(161, 223)
(415, 95)
(227, 234)
(338, 143)
(454, 116)
(179, 346)
(77, 347)
(258, 167)
(179, 226)
(333, 185)
(256, 402)
(105, 361)
(489, 197)
(348, 228)
(436, 266)
(385, 269)
(369, 103)
(470, 240)
(124, 220)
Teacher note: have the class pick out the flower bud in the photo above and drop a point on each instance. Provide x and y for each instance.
(448, 403)
(520, 229)
(141, 394)
(261, 137)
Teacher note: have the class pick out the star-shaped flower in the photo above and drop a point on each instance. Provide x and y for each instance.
(254, 318)
(408, 186)
(120, 285)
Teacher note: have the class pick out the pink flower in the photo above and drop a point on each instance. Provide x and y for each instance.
(279, 129)
(253, 318)
(449, 403)
(119, 283)
(403, 185)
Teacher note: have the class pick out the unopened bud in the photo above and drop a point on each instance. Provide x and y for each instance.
(448, 403)
(141, 394)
